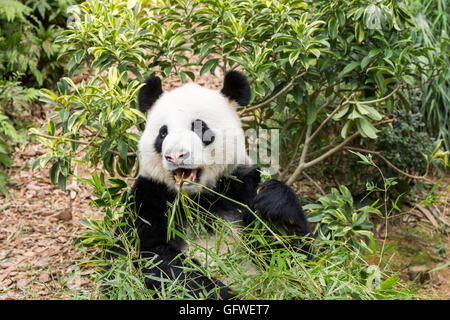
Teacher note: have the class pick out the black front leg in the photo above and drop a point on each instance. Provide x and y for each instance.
(169, 265)
(277, 202)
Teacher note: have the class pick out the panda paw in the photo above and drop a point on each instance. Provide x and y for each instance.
(277, 202)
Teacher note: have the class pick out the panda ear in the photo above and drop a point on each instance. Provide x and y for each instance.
(149, 93)
(237, 88)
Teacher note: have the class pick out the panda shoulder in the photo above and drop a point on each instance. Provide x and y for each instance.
(248, 173)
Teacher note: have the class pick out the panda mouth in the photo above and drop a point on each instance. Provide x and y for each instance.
(183, 174)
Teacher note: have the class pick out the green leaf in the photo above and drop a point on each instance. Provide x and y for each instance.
(53, 172)
(345, 129)
(369, 111)
(349, 68)
(359, 32)
(341, 113)
(388, 284)
(409, 79)
(366, 128)
(341, 17)
(62, 181)
(131, 4)
(311, 112)
(354, 115)
(333, 28)
(209, 65)
(293, 57)
(51, 128)
(122, 149)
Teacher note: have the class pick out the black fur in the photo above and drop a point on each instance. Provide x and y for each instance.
(160, 139)
(149, 200)
(149, 93)
(277, 202)
(237, 88)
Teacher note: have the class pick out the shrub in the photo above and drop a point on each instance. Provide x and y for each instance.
(339, 218)
(28, 59)
(432, 99)
(406, 144)
(318, 72)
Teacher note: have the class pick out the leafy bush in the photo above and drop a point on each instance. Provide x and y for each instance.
(28, 59)
(338, 217)
(8, 134)
(310, 66)
(28, 53)
(406, 144)
(432, 98)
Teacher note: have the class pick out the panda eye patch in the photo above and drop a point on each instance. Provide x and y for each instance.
(203, 131)
(163, 131)
(160, 138)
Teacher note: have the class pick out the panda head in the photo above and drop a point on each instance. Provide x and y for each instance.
(193, 134)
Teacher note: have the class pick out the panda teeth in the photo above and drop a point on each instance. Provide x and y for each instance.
(184, 174)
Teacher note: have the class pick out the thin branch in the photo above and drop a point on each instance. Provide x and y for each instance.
(342, 144)
(308, 140)
(378, 153)
(314, 183)
(284, 173)
(378, 100)
(331, 115)
(311, 163)
(300, 167)
(326, 104)
(33, 133)
(288, 86)
(319, 151)
(297, 147)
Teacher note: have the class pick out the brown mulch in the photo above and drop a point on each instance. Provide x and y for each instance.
(39, 226)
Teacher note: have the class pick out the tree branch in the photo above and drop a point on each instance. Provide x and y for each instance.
(303, 165)
(288, 86)
(378, 153)
(34, 133)
(331, 115)
(378, 100)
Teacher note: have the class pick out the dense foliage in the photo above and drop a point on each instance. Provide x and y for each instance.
(28, 60)
(327, 74)
(324, 74)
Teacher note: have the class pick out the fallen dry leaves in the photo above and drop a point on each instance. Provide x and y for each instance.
(39, 224)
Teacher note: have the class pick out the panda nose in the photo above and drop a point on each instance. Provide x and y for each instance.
(176, 157)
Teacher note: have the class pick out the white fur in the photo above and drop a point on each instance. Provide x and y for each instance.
(177, 109)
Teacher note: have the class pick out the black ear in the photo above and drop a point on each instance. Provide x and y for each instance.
(149, 93)
(237, 88)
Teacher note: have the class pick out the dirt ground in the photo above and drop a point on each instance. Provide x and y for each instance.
(39, 224)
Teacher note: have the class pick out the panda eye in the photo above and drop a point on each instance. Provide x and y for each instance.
(160, 138)
(163, 132)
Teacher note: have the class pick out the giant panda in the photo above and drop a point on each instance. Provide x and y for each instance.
(188, 131)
